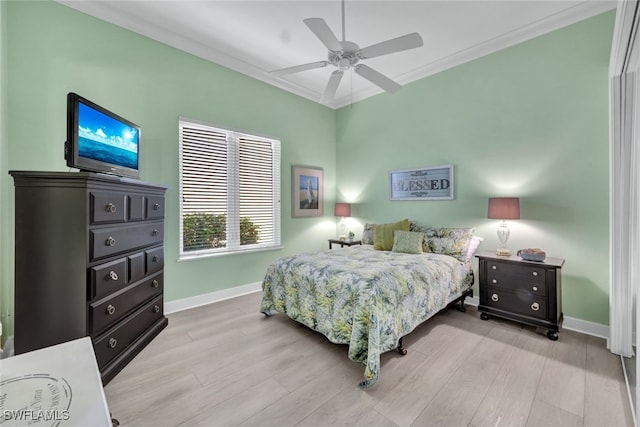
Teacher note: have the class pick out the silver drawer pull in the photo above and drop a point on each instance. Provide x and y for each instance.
(113, 342)
(535, 289)
(494, 297)
(155, 284)
(535, 306)
(111, 208)
(156, 308)
(535, 273)
(156, 207)
(156, 258)
(113, 275)
(155, 232)
(493, 267)
(110, 310)
(110, 241)
(494, 281)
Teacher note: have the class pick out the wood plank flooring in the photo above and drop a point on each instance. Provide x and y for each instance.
(225, 364)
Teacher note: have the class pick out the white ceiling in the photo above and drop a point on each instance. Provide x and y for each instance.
(255, 37)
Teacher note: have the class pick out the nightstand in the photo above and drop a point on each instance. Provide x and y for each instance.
(524, 291)
(343, 243)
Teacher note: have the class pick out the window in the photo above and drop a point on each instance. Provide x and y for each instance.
(229, 191)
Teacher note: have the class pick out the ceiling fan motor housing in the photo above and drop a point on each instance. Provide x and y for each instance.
(345, 58)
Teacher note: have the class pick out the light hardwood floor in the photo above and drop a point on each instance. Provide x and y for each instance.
(225, 364)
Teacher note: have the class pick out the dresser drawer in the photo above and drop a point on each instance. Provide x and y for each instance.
(108, 277)
(111, 241)
(520, 303)
(155, 259)
(107, 207)
(106, 312)
(155, 207)
(517, 278)
(114, 341)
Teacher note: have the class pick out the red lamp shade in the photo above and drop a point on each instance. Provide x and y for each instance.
(504, 208)
(342, 209)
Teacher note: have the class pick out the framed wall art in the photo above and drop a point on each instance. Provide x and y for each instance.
(307, 188)
(434, 183)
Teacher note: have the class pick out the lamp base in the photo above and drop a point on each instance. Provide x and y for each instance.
(503, 252)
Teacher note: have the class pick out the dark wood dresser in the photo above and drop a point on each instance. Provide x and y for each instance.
(525, 291)
(88, 262)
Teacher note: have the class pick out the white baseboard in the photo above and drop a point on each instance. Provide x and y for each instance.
(211, 297)
(572, 324)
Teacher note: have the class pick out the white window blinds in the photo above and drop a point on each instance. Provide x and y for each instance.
(229, 190)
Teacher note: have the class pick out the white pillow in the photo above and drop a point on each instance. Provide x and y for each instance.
(473, 245)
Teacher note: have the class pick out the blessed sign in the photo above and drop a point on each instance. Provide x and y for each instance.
(434, 183)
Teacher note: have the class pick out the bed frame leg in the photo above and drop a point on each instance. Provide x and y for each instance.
(461, 307)
(267, 313)
(400, 349)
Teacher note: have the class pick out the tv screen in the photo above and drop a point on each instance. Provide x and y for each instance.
(99, 140)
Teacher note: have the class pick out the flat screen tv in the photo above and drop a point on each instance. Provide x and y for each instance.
(99, 140)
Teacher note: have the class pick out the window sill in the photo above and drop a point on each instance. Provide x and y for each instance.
(206, 254)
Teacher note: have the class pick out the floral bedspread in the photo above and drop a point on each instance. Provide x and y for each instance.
(365, 298)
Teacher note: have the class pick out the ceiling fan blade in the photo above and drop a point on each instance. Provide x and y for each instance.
(383, 82)
(298, 68)
(332, 86)
(324, 33)
(409, 41)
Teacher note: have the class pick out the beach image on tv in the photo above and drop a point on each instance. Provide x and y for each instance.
(106, 139)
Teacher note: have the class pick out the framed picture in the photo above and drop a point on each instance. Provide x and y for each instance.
(307, 191)
(435, 183)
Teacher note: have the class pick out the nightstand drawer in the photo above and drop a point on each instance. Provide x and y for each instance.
(517, 278)
(520, 303)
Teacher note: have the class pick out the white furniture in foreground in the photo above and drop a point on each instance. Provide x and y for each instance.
(58, 386)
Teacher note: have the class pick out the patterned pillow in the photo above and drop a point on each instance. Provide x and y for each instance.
(414, 226)
(450, 241)
(408, 242)
(367, 234)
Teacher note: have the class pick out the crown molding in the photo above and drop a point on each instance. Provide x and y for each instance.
(579, 12)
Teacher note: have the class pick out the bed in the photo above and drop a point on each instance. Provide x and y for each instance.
(367, 298)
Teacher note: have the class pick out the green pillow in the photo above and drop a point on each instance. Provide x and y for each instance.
(408, 242)
(383, 234)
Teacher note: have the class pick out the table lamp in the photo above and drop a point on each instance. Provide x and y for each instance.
(342, 210)
(503, 208)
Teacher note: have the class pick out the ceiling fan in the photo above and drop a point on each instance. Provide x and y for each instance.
(346, 54)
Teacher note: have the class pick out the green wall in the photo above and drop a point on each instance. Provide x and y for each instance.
(528, 121)
(53, 49)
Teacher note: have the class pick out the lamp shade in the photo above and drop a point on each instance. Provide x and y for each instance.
(342, 209)
(504, 208)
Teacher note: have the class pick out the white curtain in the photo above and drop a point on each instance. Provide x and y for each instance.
(624, 181)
